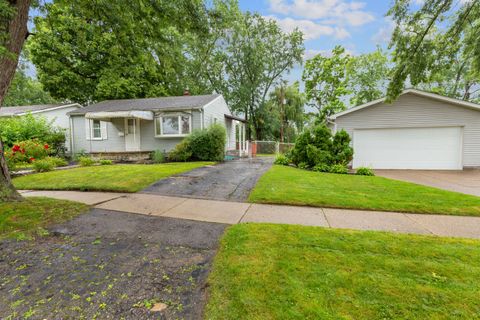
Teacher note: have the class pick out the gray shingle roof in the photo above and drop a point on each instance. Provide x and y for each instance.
(13, 111)
(149, 104)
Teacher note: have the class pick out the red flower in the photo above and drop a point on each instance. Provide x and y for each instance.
(32, 159)
(16, 148)
(46, 147)
(22, 151)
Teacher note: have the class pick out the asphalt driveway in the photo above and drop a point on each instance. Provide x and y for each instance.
(466, 181)
(230, 180)
(109, 265)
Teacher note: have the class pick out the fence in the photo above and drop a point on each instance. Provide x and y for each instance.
(270, 147)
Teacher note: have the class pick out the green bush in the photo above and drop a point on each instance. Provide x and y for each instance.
(364, 171)
(158, 156)
(30, 127)
(322, 168)
(181, 152)
(105, 162)
(282, 160)
(338, 168)
(43, 165)
(86, 161)
(303, 165)
(209, 144)
(317, 146)
(57, 162)
(204, 145)
(28, 151)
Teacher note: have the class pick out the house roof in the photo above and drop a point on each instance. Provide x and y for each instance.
(149, 104)
(21, 110)
(420, 93)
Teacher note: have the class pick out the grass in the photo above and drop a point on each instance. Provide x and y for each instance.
(118, 178)
(24, 219)
(292, 272)
(287, 185)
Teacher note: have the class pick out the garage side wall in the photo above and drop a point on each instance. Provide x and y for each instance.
(411, 111)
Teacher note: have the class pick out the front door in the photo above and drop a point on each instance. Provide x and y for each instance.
(132, 134)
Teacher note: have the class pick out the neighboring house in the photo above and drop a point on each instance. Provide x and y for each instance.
(131, 129)
(420, 130)
(57, 114)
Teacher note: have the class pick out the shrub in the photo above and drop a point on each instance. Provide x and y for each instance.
(57, 162)
(86, 161)
(204, 145)
(43, 165)
(28, 151)
(181, 152)
(80, 154)
(105, 162)
(282, 160)
(30, 127)
(209, 144)
(338, 168)
(364, 171)
(303, 165)
(158, 156)
(317, 146)
(323, 167)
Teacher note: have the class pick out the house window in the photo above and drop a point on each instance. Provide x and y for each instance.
(96, 129)
(173, 125)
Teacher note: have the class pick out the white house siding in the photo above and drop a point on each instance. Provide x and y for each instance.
(58, 116)
(411, 111)
(216, 109)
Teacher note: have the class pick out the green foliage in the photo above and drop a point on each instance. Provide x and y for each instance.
(364, 171)
(282, 159)
(286, 107)
(209, 144)
(338, 168)
(253, 55)
(439, 34)
(322, 167)
(43, 165)
(57, 161)
(25, 90)
(205, 145)
(158, 156)
(317, 148)
(105, 162)
(182, 151)
(30, 127)
(27, 151)
(326, 82)
(86, 161)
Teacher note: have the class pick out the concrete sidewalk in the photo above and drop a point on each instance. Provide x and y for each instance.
(240, 212)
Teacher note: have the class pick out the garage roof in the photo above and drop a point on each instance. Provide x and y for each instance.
(421, 93)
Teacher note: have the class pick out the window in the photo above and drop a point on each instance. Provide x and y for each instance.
(173, 125)
(96, 129)
(130, 126)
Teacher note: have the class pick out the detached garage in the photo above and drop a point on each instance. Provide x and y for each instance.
(420, 130)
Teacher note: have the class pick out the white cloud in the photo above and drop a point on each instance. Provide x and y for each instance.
(310, 53)
(384, 34)
(311, 30)
(340, 11)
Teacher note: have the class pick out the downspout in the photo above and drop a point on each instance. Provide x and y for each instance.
(70, 119)
(202, 125)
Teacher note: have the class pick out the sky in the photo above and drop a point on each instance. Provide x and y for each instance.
(359, 26)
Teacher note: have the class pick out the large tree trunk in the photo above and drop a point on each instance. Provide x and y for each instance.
(17, 32)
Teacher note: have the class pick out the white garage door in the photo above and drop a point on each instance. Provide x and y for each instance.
(408, 148)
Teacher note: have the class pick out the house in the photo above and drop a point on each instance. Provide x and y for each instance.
(420, 130)
(131, 129)
(56, 114)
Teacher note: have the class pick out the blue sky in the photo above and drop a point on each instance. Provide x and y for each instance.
(358, 25)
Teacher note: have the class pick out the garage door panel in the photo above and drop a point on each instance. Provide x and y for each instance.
(408, 148)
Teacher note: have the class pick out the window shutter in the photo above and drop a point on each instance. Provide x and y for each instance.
(88, 126)
(103, 125)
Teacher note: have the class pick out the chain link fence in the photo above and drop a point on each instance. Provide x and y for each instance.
(270, 147)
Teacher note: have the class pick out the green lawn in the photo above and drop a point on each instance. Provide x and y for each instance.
(287, 185)
(119, 178)
(292, 272)
(21, 220)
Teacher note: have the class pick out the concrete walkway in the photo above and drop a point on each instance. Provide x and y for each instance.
(240, 212)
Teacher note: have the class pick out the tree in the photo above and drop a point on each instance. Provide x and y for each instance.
(367, 77)
(87, 51)
(326, 82)
(287, 103)
(420, 52)
(25, 90)
(249, 58)
(13, 32)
